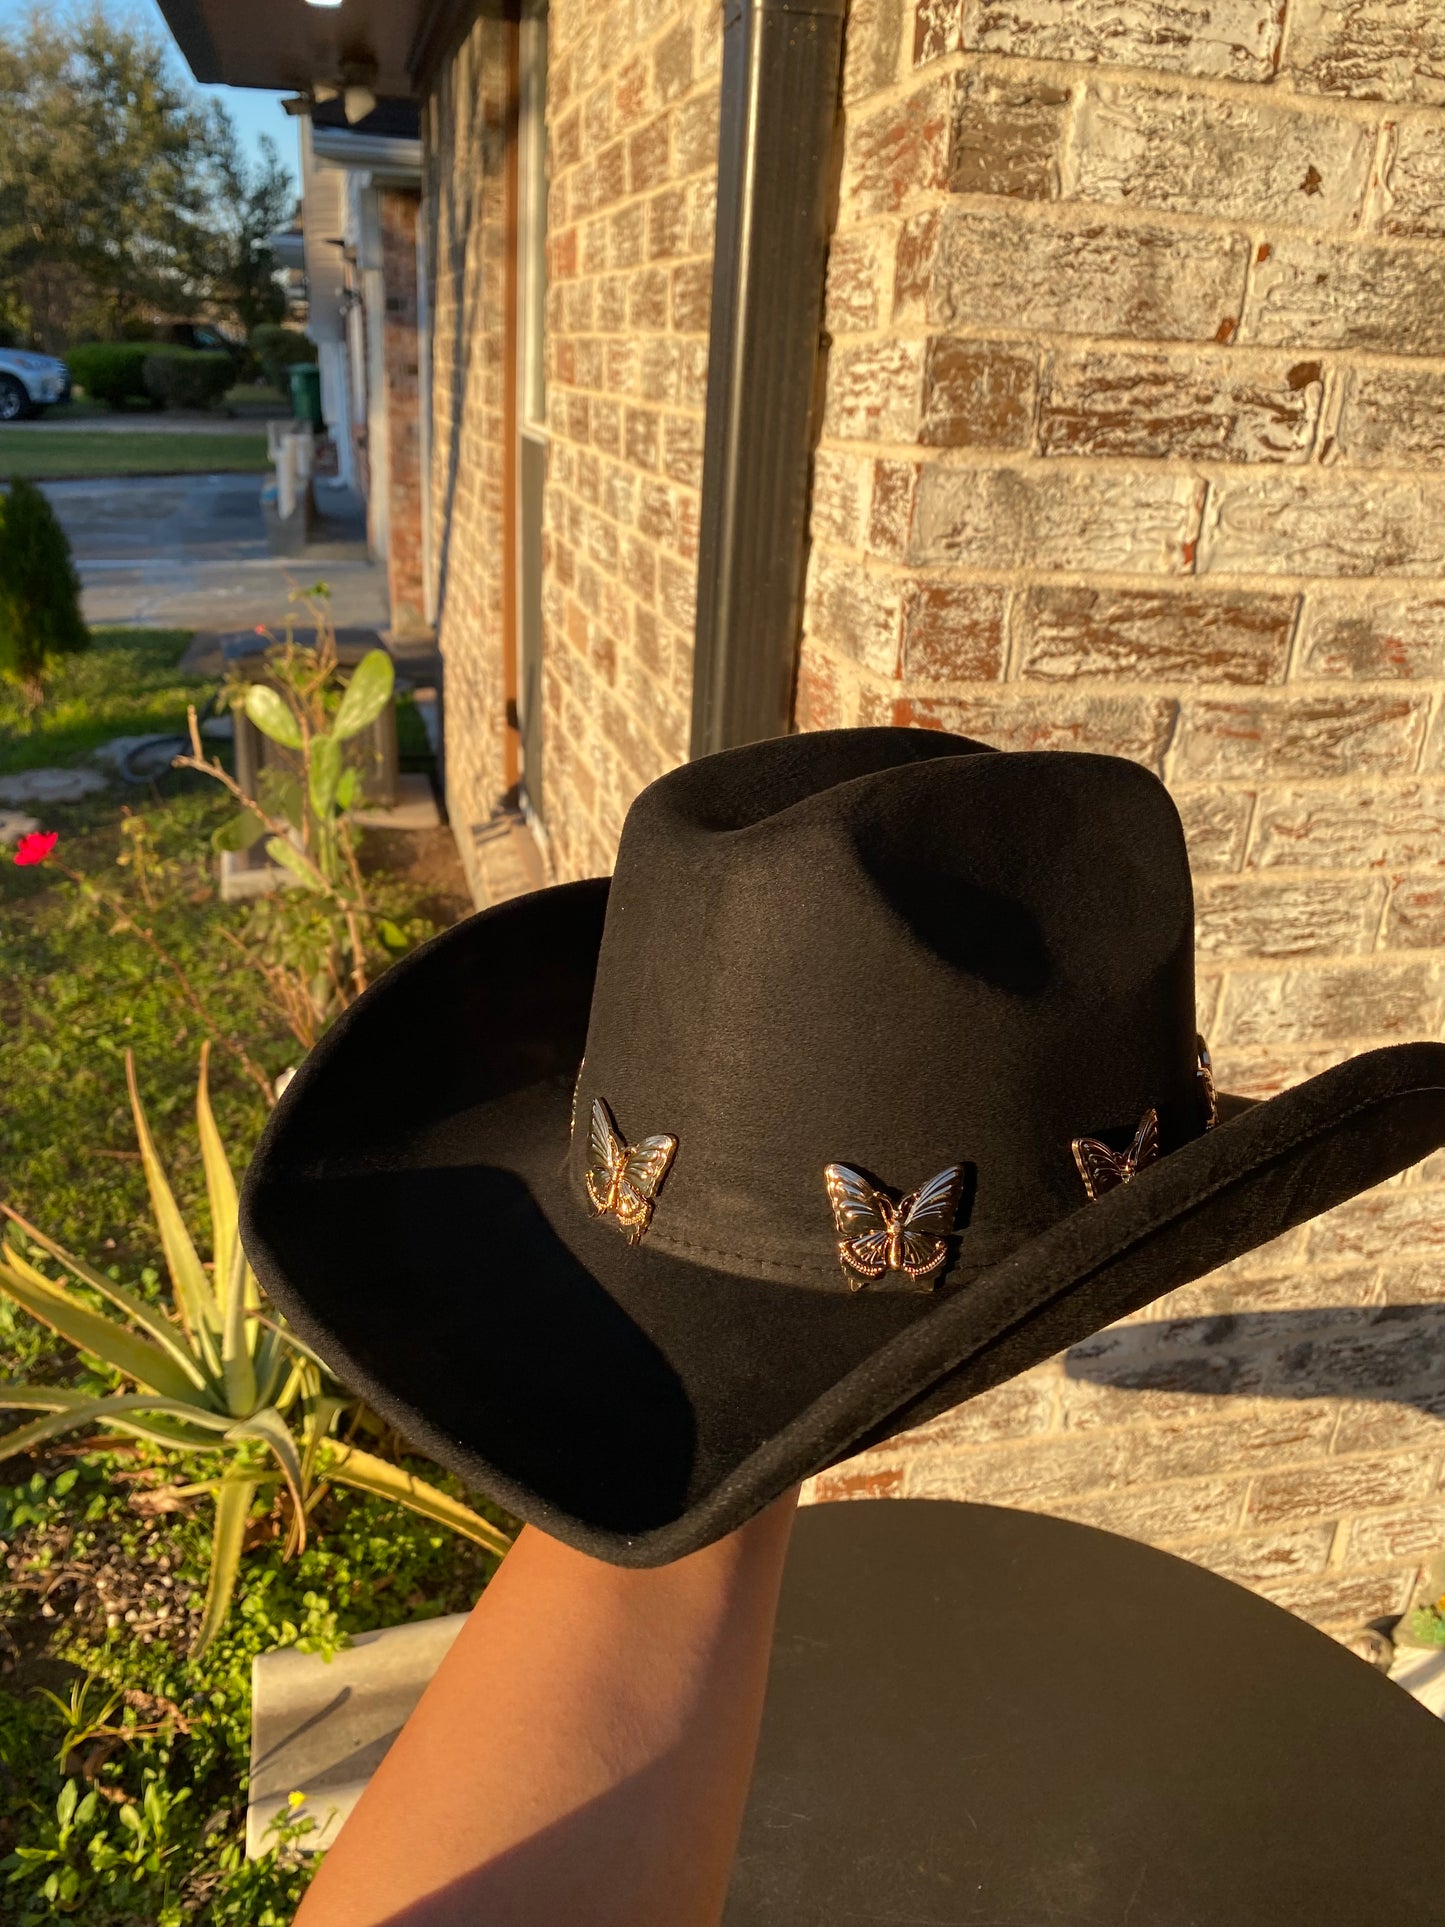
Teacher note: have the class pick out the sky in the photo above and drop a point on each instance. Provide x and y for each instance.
(253, 112)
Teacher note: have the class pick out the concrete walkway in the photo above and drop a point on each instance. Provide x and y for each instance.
(190, 552)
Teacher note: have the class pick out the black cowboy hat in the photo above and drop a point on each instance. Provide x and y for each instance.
(891, 1090)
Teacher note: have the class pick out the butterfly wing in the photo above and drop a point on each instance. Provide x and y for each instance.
(1145, 1148)
(1099, 1167)
(928, 1222)
(643, 1170)
(606, 1154)
(862, 1221)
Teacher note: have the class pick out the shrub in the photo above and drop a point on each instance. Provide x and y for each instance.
(188, 378)
(39, 589)
(278, 348)
(113, 371)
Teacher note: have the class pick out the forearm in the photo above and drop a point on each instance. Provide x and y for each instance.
(582, 1755)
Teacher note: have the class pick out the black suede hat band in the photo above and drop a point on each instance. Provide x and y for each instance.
(561, 1195)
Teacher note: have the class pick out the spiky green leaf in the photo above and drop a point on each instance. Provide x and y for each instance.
(349, 1465)
(220, 1183)
(194, 1297)
(233, 1508)
(124, 1351)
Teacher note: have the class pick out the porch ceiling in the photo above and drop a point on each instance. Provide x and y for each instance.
(289, 44)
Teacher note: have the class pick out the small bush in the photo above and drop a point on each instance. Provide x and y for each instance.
(39, 589)
(113, 371)
(188, 378)
(278, 348)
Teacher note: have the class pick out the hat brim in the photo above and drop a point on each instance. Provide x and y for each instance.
(409, 1210)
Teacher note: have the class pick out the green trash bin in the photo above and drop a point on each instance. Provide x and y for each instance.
(306, 392)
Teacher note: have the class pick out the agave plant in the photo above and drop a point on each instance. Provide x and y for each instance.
(221, 1374)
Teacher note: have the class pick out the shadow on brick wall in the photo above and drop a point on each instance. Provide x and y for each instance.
(1388, 1352)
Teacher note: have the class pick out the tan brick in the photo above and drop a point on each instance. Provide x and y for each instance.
(672, 64)
(1392, 52)
(857, 611)
(682, 449)
(953, 631)
(1262, 1072)
(1397, 1538)
(977, 395)
(899, 151)
(692, 297)
(1312, 293)
(1007, 135)
(1371, 826)
(862, 1478)
(1380, 637)
(1389, 1425)
(1022, 1407)
(1415, 180)
(1223, 1294)
(1233, 39)
(1254, 1558)
(1108, 402)
(1243, 158)
(1159, 1512)
(1341, 1487)
(1175, 635)
(1391, 418)
(995, 518)
(842, 484)
(1133, 726)
(1396, 1221)
(1334, 1003)
(1216, 827)
(1344, 1599)
(860, 268)
(871, 47)
(1258, 917)
(1332, 524)
(820, 701)
(694, 134)
(875, 391)
(1083, 277)
(1283, 737)
(1416, 917)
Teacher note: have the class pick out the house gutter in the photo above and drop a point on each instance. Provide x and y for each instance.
(781, 68)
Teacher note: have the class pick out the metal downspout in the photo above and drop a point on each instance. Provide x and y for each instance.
(780, 85)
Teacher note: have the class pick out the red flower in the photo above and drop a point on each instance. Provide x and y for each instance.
(36, 846)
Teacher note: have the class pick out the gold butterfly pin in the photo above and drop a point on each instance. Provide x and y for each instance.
(1102, 1169)
(623, 1179)
(876, 1235)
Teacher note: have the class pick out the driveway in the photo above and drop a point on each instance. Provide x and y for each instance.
(190, 552)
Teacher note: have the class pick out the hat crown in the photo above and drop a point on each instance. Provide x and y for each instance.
(899, 951)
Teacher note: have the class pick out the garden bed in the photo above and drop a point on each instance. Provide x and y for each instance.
(102, 1560)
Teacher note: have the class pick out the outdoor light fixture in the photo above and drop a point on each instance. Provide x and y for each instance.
(357, 102)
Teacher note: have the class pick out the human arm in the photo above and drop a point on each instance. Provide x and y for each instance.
(582, 1755)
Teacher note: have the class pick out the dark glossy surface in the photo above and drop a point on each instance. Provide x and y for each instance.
(985, 1718)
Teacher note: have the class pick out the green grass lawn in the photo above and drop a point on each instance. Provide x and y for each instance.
(75, 993)
(60, 454)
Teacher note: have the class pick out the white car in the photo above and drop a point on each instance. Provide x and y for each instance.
(29, 383)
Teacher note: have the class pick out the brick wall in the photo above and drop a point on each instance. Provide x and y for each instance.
(406, 587)
(632, 110)
(1133, 443)
(464, 130)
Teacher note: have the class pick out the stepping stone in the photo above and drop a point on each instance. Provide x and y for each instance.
(138, 759)
(14, 824)
(50, 786)
(322, 1727)
(415, 807)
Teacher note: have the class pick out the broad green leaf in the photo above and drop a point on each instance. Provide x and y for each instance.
(390, 935)
(290, 858)
(240, 833)
(349, 1465)
(349, 788)
(267, 710)
(367, 694)
(220, 1183)
(281, 793)
(233, 1508)
(90, 1331)
(42, 1398)
(149, 1317)
(325, 773)
(195, 1299)
(272, 1431)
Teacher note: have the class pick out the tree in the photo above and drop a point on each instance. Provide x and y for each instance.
(39, 589)
(123, 193)
(252, 200)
